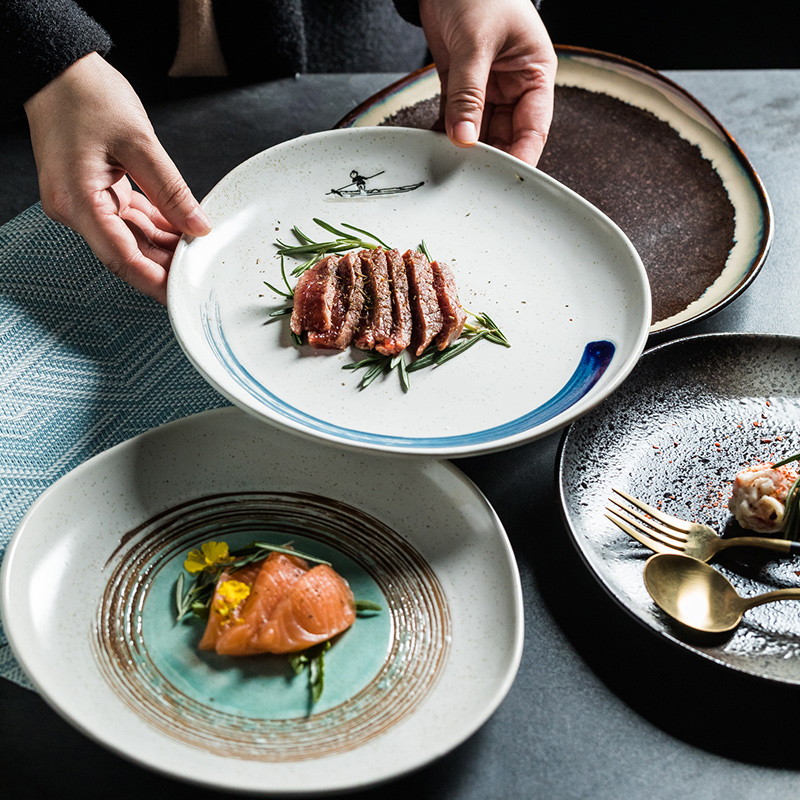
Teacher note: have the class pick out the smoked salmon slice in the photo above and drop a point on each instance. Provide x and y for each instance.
(288, 607)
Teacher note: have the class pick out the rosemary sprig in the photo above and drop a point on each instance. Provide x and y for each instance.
(787, 460)
(314, 657)
(197, 598)
(362, 606)
(434, 358)
(791, 515)
(376, 364)
(399, 361)
(489, 326)
(288, 294)
(343, 235)
(258, 550)
(316, 251)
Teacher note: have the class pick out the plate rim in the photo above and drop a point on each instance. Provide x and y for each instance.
(217, 416)
(657, 334)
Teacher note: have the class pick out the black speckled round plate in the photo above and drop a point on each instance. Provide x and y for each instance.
(691, 414)
(653, 159)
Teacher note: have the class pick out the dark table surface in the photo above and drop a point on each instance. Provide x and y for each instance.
(602, 707)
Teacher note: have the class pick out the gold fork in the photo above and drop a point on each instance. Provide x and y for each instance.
(664, 533)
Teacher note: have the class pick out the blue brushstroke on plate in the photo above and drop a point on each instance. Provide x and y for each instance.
(595, 360)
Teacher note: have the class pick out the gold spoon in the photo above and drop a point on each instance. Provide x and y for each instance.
(698, 596)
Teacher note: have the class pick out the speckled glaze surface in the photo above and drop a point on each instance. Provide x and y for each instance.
(690, 416)
(88, 581)
(659, 164)
(560, 279)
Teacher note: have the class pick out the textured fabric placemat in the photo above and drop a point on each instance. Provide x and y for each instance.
(86, 362)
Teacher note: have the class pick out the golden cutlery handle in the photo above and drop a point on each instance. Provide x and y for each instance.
(771, 597)
(781, 545)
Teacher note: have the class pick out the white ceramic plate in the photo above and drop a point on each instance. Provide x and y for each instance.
(654, 93)
(692, 414)
(559, 278)
(87, 584)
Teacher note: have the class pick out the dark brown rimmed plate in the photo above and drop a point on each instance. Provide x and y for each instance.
(649, 155)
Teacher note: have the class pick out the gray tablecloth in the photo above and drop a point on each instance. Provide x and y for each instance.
(599, 708)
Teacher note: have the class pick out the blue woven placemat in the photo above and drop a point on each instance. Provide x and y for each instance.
(85, 363)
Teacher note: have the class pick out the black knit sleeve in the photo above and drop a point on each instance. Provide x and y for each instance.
(39, 39)
(409, 9)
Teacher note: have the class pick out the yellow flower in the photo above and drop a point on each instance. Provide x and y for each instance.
(210, 554)
(229, 595)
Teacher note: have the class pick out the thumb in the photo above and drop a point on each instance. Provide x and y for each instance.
(465, 98)
(158, 177)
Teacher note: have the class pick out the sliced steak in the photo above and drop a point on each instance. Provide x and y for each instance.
(376, 316)
(347, 304)
(314, 298)
(425, 312)
(453, 316)
(400, 336)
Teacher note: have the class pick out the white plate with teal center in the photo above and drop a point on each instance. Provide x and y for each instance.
(561, 281)
(88, 601)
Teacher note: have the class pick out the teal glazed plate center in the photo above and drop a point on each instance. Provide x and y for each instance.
(264, 686)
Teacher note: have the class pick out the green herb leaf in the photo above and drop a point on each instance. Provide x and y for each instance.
(276, 290)
(201, 609)
(298, 662)
(405, 383)
(363, 606)
(179, 598)
(791, 514)
(365, 362)
(198, 595)
(314, 659)
(378, 368)
(315, 251)
(316, 673)
(367, 233)
(288, 551)
(788, 460)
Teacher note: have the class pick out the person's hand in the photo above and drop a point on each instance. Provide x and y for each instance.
(89, 131)
(497, 69)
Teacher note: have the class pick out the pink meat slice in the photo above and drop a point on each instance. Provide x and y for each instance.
(347, 305)
(314, 298)
(425, 312)
(453, 316)
(376, 316)
(400, 336)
